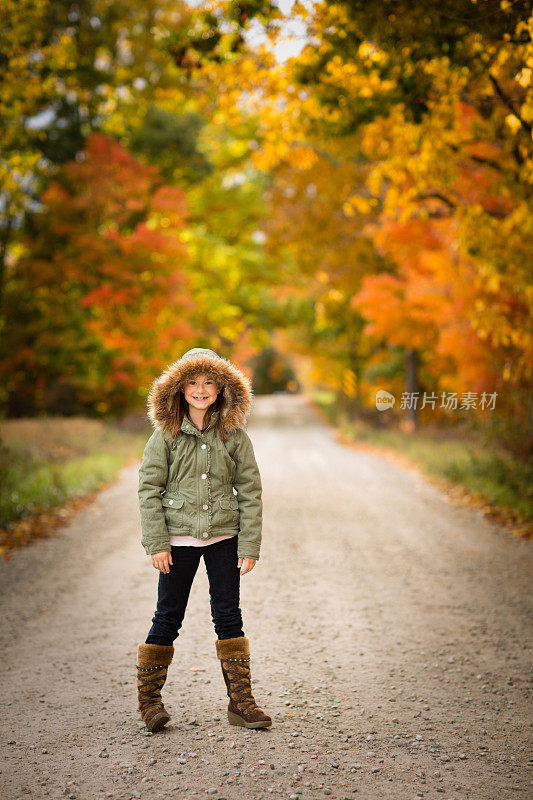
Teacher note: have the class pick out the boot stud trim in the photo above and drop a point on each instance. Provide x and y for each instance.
(236, 659)
(148, 669)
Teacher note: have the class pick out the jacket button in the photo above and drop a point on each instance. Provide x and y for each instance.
(170, 502)
(204, 446)
(205, 534)
(204, 475)
(205, 506)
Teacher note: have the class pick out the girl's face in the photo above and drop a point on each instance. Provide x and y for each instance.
(200, 392)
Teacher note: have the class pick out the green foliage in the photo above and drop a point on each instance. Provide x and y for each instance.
(47, 461)
(505, 481)
(272, 372)
(171, 141)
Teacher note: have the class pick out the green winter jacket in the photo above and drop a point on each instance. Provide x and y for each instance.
(187, 483)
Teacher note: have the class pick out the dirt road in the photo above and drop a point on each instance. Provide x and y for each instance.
(390, 635)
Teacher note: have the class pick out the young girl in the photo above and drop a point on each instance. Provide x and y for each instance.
(198, 453)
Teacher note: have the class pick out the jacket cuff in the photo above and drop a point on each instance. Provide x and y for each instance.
(159, 548)
(247, 554)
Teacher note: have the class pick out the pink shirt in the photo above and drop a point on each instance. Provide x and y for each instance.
(192, 540)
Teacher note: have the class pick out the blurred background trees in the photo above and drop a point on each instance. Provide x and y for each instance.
(171, 176)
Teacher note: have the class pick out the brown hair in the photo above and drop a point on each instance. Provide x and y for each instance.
(180, 408)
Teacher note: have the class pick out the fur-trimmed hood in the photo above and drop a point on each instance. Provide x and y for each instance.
(236, 388)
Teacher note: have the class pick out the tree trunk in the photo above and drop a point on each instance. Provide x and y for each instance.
(411, 386)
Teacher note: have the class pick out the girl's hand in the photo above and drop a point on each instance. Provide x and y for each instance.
(246, 563)
(161, 561)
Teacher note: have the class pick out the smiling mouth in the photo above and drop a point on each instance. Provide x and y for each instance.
(200, 398)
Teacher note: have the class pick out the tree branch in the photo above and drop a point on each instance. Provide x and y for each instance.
(454, 205)
(506, 100)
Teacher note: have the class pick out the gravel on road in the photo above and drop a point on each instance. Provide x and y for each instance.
(390, 635)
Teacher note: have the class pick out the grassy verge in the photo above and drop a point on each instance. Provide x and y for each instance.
(52, 466)
(486, 474)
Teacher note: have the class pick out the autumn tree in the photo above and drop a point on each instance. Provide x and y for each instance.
(68, 70)
(101, 297)
(438, 107)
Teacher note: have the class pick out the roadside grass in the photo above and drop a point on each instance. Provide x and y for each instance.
(52, 466)
(487, 474)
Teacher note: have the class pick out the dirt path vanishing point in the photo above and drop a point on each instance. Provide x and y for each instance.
(390, 635)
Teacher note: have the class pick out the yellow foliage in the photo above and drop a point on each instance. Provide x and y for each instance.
(524, 77)
(513, 123)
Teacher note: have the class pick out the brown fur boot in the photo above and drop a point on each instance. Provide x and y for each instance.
(234, 655)
(153, 661)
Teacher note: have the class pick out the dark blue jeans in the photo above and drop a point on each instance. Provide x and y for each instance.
(174, 588)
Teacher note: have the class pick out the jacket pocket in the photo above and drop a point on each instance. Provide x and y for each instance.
(229, 512)
(173, 510)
